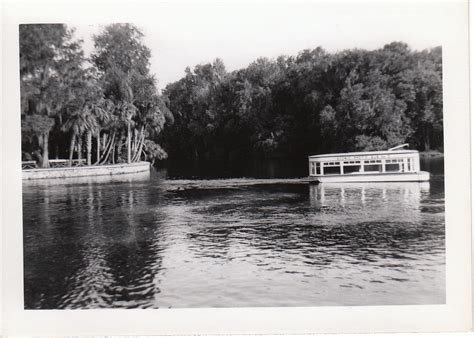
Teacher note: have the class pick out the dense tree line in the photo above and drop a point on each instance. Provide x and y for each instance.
(314, 102)
(105, 109)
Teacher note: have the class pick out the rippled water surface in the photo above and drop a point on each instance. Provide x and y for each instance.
(152, 241)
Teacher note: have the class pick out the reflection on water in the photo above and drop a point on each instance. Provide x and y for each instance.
(372, 199)
(220, 243)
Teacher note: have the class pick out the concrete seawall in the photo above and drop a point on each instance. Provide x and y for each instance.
(102, 170)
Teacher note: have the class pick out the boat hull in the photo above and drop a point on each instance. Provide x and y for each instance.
(421, 176)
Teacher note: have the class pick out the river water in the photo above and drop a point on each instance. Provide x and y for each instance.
(168, 240)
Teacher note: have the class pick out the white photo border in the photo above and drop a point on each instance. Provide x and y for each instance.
(455, 315)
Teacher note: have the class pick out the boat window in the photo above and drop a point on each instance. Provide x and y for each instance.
(391, 167)
(373, 167)
(352, 169)
(318, 168)
(313, 168)
(396, 160)
(331, 164)
(332, 170)
(372, 161)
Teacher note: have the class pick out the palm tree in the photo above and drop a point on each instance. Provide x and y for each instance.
(103, 114)
(120, 84)
(78, 124)
(126, 112)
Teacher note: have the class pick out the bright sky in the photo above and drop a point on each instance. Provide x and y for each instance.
(181, 35)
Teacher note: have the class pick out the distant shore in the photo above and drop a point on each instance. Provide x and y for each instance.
(431, 154)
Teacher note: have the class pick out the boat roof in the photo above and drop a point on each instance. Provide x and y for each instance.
(362, 153)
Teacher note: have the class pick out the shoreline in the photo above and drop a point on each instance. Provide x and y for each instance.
(431, 154)
(87, 171)
(260, 157)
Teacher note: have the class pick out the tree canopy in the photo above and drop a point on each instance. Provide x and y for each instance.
(67, 99)
(51, 72)
(313, 102)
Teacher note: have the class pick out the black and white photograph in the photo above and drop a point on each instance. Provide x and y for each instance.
(211, 156)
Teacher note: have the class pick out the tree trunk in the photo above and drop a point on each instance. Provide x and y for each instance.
(104, 141)
(129, 150)
(45, 156)
(134, 143)
(98, 146)
(79, 148)
(71, 148)
(113, 153)
(107, 149)
(138, 153)
(137, 136)
(119, 148)
(89, 147)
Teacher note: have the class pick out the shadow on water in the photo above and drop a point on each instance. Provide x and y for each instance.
(251, 168)
(258, 168)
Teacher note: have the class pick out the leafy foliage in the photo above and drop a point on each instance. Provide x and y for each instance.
(111, 97)
(123, 63)
(153, 151)
(50, 70)
(314, 102)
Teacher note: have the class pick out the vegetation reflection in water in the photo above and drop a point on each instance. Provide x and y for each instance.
(143, 243)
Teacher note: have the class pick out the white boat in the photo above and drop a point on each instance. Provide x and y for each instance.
(392, 165)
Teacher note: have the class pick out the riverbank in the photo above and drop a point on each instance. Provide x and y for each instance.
(73, 172)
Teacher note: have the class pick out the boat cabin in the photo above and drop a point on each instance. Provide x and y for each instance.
(363, 165)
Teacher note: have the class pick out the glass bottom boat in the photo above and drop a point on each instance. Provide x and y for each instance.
(392, 165)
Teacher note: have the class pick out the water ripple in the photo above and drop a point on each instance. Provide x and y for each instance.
(218, 243)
